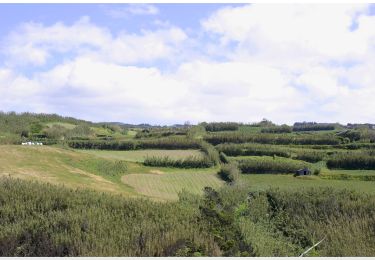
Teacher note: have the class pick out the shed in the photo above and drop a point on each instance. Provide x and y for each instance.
(301, 172)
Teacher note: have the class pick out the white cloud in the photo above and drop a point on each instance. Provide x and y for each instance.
(319, 29)
(286, 63)
(35, 43)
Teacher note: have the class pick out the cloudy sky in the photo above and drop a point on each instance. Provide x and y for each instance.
(169, 63)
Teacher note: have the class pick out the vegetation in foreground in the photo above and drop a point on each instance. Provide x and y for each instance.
(45, 220)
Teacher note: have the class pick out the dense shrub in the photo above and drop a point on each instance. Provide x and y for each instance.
(352, 161)
(270, 165)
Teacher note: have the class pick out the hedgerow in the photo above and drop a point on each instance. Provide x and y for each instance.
(265, 164)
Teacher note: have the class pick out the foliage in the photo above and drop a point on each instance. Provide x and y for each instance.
(171, 143)
(189, 162)
(268, 138)
(352, 161)
(270, 165)
(244, 149)
(221, 126)
(44, 220)
(229, 172)
(312, 126)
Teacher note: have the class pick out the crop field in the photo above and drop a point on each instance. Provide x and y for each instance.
(166, 186)
(140, 155)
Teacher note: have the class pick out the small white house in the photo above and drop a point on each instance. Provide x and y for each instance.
(32, 143)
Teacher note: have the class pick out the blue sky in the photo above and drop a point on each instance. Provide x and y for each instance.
(168, 63)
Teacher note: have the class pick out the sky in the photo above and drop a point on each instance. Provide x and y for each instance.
(171, 63)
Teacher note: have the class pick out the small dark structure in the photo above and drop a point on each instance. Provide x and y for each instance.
(301, 172)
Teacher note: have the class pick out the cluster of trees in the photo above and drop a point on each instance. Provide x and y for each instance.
(277, 129)
(189, 162)
(270, 165)
(221, 126)
(12, 122)
(58, 132)
(352, 161)
(285, 139)
(45, 220)
(312, 126)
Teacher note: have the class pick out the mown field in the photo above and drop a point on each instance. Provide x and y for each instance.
(166, 186)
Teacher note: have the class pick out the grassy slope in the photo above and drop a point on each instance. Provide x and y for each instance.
(57, 166)
(77, 170)
(139, 155)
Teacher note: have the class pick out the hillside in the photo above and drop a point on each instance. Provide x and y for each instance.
(212, 189)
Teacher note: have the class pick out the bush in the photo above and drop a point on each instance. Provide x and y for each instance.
(229, 172)
(223, 158)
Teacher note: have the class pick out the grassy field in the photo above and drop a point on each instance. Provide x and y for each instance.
(166, 186)
(140, 155)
